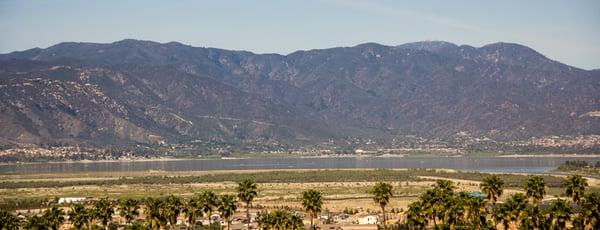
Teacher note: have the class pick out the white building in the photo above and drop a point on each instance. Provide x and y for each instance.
(69, 200)
(368, 220)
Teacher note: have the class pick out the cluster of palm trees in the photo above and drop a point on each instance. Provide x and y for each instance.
(163, 213)
(442, 207)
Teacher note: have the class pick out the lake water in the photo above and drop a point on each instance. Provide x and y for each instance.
(481, 164)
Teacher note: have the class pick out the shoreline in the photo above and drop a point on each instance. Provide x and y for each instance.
(163, 159)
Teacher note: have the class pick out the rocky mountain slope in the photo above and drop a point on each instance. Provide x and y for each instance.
(141, 92)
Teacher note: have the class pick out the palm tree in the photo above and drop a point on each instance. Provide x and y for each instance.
(129, 209)
(280, 219)
(265, 221)
(192, 210)
(103, 211)
(493, 187)
(172, 209)
(153, 213)
(590, 210)
(312, 201)
(227, 207)
(208, 202)
(246, 192)
(501, 215)
(575, 186)
(54, 217)
(432, 204)
(454, 211)
(534, 218)
(382, 192)
(293, 222)
(9, 221)
(36, 223)
(560, 213)
(415, 216)
(79, 215)
(477, 212)
(445, 186)
(535, 189)
(516, 206)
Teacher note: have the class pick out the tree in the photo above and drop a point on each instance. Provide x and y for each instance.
(415, 216)
(103, 211)
(54, 217)
(246, 192)
(172, 209)
(227, 207)
(36, 223)
(493, 187)
(534, 218)
(79, 216)
(560, 212)
(432, 204)
(501, 215)
(208, 201)
(590, 210)
(193, 210)
(382, 192)
(535, 188)
(153, 213)
(9, 221)
(280, 219)
(575, 187)
(129, 209)
(312, 201)
(516, 206)
(477, 212)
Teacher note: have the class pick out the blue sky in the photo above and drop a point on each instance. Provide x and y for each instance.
(567, 31)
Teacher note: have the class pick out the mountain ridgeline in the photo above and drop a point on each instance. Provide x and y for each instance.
(135, 92)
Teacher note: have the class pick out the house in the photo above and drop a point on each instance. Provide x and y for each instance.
(371, 219)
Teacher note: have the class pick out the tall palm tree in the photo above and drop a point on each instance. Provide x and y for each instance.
(9, 221)
(246, 192)
(35, 222)
(477, 212)
(154, 213)
(501, 215)
(193, 210)
(129, 209)
(433, 204)
(415, 216)
(492, 186)
(535, 188)
(54, 217)
(454, 211)
(590, 210)
(312, 201)
(534, 218)
(103, 211)
(382, 192)
(79, 216)
(172, 209)
(516, 206)
(227, 207)
(445, 186)
(575, 186)
(560, 212)
(209, 201)
(293, 222)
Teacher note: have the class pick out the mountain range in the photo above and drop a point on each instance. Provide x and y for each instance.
(134, 92)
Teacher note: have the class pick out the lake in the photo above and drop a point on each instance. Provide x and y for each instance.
(480, 164)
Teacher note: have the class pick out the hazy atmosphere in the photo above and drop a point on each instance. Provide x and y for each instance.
(300, 115)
